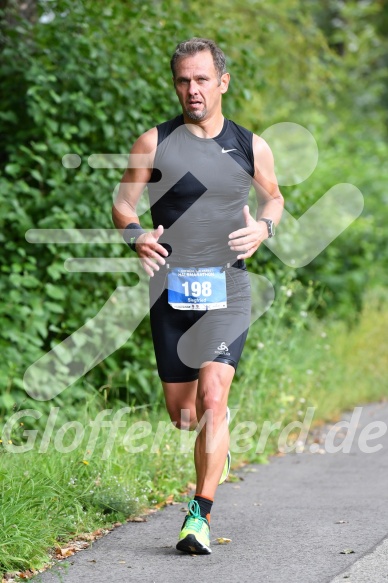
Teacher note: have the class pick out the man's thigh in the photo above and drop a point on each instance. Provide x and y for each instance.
(167, 327)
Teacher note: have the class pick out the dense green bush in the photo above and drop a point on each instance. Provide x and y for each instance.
(70, 86)
(83, 79)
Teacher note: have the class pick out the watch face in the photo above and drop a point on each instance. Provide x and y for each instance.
(270, 226)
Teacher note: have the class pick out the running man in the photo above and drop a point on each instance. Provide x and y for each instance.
(199, 168)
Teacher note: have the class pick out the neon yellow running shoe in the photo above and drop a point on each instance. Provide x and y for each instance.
(195, 534)
(228, 461)
(226, 470)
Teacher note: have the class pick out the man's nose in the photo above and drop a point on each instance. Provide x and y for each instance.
(193, 87)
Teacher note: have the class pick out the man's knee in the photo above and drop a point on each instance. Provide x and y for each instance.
(183, 419)
(212, 401)
(212, 405)
(213, 391)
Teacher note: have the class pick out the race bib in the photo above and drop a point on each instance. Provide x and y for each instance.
(197, 289)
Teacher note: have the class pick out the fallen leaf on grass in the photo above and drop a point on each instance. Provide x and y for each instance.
(63, 553)
(71, 549)
(223, 541)
(26, 574)
(78, 545)
(84, 536)
(90, 536)
(137, 519)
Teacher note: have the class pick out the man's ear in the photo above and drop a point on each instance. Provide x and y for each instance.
(225, 82)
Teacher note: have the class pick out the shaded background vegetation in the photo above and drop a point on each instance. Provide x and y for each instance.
(85, 77)
(89, 77)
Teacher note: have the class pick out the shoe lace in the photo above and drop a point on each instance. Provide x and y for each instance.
(194, 520)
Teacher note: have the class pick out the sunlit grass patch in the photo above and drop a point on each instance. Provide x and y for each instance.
(137, 459)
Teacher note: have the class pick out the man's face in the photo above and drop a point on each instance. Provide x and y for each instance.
(197, 85)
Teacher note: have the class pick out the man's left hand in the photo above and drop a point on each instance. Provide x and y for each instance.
(247, 240)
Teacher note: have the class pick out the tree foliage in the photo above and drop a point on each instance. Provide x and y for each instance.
(83, 78)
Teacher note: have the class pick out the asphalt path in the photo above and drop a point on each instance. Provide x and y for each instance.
(294, 520)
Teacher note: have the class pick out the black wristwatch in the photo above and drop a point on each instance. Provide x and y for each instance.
(136, 230)
(270, 227)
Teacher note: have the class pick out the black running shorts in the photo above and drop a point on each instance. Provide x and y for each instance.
(185, 339)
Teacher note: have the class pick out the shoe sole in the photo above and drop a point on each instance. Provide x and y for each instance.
(190, 544)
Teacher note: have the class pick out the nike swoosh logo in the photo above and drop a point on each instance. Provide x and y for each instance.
(223, 151)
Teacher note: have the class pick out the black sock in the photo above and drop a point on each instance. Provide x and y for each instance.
(205, 505)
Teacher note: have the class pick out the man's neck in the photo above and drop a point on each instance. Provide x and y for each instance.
(206, 128)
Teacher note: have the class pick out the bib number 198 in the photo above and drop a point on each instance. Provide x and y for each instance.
(197, 288)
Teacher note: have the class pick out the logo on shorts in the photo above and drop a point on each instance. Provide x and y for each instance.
(222, 349)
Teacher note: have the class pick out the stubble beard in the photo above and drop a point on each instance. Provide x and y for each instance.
(196, 115)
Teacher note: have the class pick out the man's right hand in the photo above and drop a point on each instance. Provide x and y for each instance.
(151, 253)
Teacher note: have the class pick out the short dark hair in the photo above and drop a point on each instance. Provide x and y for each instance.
(196, 45)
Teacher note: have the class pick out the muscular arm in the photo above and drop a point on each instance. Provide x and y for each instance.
(132, 185)
(269, 197)
(134, 180)
(270, 203)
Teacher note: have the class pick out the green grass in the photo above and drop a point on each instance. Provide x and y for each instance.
(290, 363)
(325, 365)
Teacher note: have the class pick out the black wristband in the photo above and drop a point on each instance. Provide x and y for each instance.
(130, 237)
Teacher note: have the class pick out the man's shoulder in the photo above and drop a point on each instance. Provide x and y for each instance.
(259, 145)
(149, 140)
(166, 128)
(237, 128)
